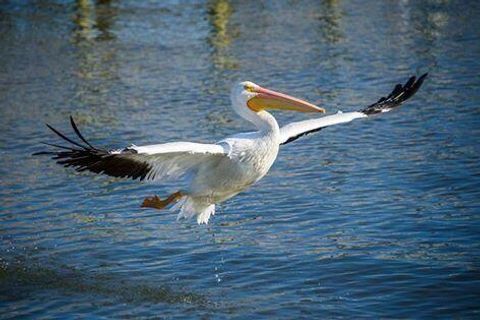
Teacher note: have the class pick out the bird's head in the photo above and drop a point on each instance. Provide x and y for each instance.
(250, 97)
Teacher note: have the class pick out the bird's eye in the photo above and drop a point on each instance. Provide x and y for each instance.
(248, 87)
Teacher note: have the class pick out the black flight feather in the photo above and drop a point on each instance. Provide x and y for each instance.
(398, 95)
(74, 126)
(89, 158)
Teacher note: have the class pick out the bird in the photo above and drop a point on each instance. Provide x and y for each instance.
(209, 174)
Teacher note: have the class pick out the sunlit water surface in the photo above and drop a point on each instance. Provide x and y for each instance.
(377, 218)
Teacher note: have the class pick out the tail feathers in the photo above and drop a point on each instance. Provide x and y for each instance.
(190, 207)
(203, 217)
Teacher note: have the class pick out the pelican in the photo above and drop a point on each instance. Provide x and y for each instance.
(212, 173)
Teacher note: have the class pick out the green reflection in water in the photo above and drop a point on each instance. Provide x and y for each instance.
(84, 19)
(219, 13)
(330, 20)
(97, 66)
(94, 20)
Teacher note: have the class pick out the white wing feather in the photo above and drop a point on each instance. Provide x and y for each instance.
(175, 159)
(295, 130)
(180, 147)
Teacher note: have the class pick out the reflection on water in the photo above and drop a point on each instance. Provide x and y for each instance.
(94, 20)
(105, 18)
(96, 62)
(84, 19)
(376, 219)
(219, 12)
(330, 18)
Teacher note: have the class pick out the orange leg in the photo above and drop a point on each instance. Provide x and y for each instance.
(157, 203)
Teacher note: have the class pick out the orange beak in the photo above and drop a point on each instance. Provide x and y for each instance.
(269, 99)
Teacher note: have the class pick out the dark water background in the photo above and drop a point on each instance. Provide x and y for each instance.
(377, 218)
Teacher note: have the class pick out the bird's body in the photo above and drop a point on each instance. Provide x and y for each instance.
(250, 156)
(249, 159)
(213, 173)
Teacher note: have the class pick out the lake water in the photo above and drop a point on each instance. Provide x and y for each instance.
(376, 218)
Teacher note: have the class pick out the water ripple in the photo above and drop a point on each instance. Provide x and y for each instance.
(373, 219)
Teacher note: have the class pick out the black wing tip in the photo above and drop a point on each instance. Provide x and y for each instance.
(72, 122)
(42, 153)
(399, 94)
(67, 139)
(79, 134)
(422, 78)
(50, 127)
(100, 161)
(87, 146)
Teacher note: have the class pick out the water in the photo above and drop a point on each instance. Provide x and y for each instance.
(377, 218)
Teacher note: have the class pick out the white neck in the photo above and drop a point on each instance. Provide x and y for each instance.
(262, 120)
(265, 122)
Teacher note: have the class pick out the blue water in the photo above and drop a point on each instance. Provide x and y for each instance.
(376, 218)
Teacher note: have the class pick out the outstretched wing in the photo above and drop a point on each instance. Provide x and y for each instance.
(400, 94)
(151, 162)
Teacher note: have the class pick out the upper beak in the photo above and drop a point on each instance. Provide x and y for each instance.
(269, 99)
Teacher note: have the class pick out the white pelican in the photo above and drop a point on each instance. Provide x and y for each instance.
(216, 172)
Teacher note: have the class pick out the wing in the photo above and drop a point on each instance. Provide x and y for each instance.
(400, 94)
(151, 162)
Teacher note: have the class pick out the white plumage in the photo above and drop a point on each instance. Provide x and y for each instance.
(213, 173)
